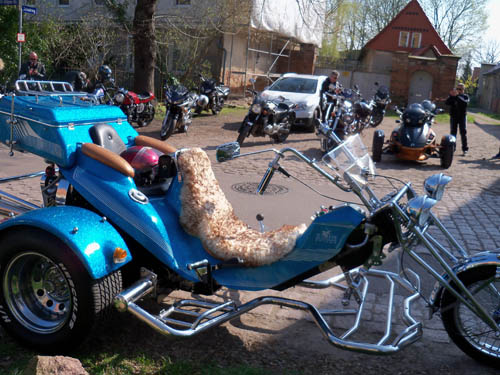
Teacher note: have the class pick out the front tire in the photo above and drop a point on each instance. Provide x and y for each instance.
(244, 132)
(447, 150)
(469, 332)
(167, 127)
(377, 145)
(48, 301)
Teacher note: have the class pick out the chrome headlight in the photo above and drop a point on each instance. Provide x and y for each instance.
(119, 98)
(256, 108)
(419, 208)
(434, 185)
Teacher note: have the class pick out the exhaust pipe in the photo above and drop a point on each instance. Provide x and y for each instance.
(11, 206)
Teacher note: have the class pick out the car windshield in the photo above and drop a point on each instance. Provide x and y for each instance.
(295, 84)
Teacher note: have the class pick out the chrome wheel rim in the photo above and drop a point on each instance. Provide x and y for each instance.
(480, 335)
(37, 292)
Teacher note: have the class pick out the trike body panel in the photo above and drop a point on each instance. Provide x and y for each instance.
(93, 239)
(52, 126)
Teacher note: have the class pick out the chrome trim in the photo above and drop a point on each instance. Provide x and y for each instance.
(210, 314)
(11, 206)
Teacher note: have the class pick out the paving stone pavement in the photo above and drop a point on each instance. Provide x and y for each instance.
(470, 208)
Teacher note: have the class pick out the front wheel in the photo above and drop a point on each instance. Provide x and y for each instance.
(244, 132)
(470, 333)
(377, 145)
(48, 301)
(447, 150)
(167, 127)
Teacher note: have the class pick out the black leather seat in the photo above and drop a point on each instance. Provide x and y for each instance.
(106, 136)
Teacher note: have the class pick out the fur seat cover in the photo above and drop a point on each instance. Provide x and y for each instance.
(207, 214)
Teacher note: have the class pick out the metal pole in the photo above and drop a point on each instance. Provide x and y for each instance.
(20, 32)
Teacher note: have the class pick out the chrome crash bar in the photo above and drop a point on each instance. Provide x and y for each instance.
(208, 314)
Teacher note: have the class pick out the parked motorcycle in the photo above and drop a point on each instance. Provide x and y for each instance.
(380, 102)
(127, 205)
(267, 117)
(211, 96)
(139, 108)
(338, 118)
(414, 138)
(179, 103)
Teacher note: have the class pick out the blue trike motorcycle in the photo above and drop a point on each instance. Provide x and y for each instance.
(126, 217)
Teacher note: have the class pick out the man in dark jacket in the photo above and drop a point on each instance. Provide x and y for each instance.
(32, 69)
(332, 86)
(458, 101)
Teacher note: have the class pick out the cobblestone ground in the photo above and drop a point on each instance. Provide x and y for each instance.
(470, 210)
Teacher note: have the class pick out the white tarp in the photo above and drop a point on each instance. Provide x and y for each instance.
(299, 19)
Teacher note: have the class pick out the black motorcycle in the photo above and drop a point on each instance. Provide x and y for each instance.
(267, 117)
(211, 96)
(179, 103)
(338, 118)
(380, 102)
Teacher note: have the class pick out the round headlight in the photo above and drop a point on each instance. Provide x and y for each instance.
(256, 108)
(119, 98)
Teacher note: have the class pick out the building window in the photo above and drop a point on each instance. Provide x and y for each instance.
(182, 2)
(416, 38)
(403, 38)
(63, 3)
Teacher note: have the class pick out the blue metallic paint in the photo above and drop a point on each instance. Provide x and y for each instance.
(93, 242)
(58, 142)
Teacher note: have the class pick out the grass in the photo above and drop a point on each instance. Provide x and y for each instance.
(443, 118)
(495, 116)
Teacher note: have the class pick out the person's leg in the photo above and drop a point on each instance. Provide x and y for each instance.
(463, 133)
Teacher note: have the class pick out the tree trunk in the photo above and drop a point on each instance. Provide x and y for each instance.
(144, 46)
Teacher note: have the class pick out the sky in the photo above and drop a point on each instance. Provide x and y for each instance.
(493, 9)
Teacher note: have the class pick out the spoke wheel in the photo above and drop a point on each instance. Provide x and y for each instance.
(470, 333)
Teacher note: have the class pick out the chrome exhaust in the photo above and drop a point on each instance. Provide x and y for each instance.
(11, 206)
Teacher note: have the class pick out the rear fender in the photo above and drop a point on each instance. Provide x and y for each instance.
(89, 235)
(487, 258)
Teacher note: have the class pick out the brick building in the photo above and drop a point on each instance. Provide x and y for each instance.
(421, 66)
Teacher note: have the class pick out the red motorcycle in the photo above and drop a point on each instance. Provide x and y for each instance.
(139, 108)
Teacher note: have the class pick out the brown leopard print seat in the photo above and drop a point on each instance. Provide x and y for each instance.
(207, 214)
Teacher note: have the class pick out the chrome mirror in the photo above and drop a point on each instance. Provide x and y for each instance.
(434, 185)
(227, 151)
(419, 208)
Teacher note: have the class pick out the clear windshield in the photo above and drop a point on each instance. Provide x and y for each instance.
(352, 158)
(295, 84)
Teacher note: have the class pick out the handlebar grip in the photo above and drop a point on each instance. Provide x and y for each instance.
(265, 181)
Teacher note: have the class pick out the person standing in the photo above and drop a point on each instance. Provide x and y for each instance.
(32, 69)
(458, 101)
(332, 86)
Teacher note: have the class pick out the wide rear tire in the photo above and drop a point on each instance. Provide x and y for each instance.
(48, 301)
(473, 336)
(377, 145)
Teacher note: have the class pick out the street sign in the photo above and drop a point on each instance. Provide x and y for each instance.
(8, 2)
(21, 38)
(30, 10)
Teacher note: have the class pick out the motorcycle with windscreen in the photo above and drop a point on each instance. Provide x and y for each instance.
(127, 217)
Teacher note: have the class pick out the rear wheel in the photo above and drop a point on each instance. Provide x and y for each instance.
(48, 301)
(447, 150)
(470, 333)
(167, 127)
(377, 145)
(244, 132)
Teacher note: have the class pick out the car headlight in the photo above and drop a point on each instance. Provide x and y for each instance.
(119, 98)
(419, 208)
(256, 108)
(302, 106)
(434, 185)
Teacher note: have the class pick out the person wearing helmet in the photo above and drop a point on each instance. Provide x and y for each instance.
(32, 69)
(458, 101)
(104, 74)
